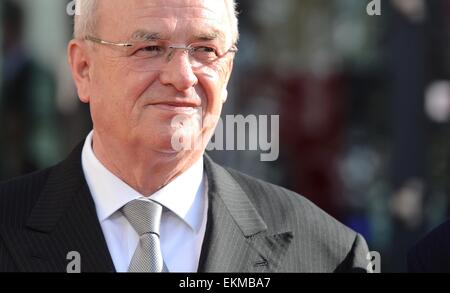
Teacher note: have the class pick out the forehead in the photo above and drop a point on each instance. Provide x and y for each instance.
(181, 17)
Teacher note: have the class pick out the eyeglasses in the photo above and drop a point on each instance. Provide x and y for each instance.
(153, 55)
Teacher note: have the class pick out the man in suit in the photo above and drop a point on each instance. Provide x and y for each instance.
(431, 254)
(151, 71)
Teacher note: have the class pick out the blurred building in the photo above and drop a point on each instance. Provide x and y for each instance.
(38, 101)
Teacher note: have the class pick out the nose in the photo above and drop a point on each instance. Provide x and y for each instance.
(178, 71)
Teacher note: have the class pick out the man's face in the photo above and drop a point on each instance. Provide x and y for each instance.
(137, 107)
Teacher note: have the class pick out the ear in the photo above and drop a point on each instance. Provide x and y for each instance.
(225, 90)
(78, 58)
(224, 95)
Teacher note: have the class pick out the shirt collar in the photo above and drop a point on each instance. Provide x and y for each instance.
(183, 196)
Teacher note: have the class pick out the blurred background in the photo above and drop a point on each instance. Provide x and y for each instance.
(364, 105)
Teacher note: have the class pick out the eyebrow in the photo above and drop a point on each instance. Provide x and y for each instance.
(145, 36)
(210, 36)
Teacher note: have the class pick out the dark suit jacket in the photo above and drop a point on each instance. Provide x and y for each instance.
(252, 226)
(432, 253)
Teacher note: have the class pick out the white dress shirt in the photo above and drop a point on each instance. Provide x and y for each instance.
(183, 222)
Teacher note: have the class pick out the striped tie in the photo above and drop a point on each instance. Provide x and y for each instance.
(145, 217)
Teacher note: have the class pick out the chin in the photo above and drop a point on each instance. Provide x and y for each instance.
(172, 141)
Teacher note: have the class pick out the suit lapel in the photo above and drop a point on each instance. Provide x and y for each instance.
(63, 220)
(237, 238)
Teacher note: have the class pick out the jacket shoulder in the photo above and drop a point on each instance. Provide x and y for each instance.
(264, 195)
(317, 235)
(19, 195)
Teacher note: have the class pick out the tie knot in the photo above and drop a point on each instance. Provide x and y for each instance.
(144, 216)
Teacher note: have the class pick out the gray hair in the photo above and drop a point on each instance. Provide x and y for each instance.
(85, 21)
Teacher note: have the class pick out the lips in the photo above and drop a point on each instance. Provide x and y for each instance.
(177, 106)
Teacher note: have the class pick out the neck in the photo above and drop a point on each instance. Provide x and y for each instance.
(143, 169)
